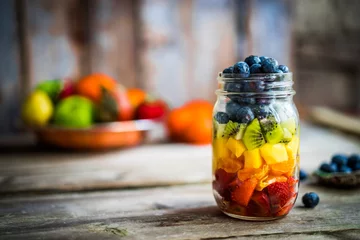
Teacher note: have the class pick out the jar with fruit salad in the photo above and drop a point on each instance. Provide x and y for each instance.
(255, 141)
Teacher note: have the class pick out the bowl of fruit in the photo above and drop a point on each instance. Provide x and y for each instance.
(342, 171)
(94, 112)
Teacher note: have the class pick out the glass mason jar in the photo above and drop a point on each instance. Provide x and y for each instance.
(255, 146)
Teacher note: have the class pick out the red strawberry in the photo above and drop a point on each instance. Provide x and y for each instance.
(152, 109)
(241, 191)
(259, 205)
(279, 195)
(221, 182)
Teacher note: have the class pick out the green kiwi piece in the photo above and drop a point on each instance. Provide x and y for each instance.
(290, 125)
(231, 129)
(272, 130)
(240, 133)
(253, 137)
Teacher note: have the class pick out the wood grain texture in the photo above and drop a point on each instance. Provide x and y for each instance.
(144, 166)
(181, 212)
(54, 48)
(113, 43)
(9, 67)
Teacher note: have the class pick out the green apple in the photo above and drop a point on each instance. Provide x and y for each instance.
(51, 87)
(74, 112)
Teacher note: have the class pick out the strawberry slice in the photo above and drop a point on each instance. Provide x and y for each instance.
(241, 191)
(279, 195)
(259, 205)
(222, 180)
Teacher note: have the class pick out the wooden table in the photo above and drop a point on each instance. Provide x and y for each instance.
(157, 192)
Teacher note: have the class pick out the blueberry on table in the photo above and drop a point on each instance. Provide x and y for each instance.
(255, 68)
(222, 117)
(345, 169)
(270, 65)
(251, 60)
(310, 200)
(329, 168)
(228, 70)
(303, 175)
(284, 68)
(340, 160)
(353, 160)
(238, 113)
(242, 68)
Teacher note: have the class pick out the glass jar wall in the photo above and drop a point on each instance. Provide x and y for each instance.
(255, 146)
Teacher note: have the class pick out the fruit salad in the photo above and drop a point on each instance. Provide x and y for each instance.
(255, 140)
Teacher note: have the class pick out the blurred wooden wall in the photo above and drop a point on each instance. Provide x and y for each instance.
(172, 48)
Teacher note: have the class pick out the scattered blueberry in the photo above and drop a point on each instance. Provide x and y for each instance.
(269, 65)
(354, 160)
(340, 160)
(261, 111)
(255, 68)
(228, 70)
(345, 169)
(251, 60)
(329, 168)
(284, 68)
(222, 117)
(310, 200)
(262, 58)
(303, 175)
(238, 113)
(242, 68)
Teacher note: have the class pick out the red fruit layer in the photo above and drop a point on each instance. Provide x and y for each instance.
(241, 191)
(221, 182)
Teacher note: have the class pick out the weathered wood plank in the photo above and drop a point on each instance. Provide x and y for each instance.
(56, 47)
(182, 212)
(113, 39)
(147, 165)
(9, 68)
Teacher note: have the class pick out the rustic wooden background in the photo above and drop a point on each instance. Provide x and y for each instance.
(174, 48)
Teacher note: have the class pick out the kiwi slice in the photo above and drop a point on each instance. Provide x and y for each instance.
(231, 129)
(272, 130)
(253, 137)
(240, 132)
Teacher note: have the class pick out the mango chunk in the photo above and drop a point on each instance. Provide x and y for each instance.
(219, 148)
(237, 147)
(253, 159)
(292, 147)
(274, 153)
(230, 165)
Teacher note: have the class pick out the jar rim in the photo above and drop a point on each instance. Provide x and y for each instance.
(253, 77)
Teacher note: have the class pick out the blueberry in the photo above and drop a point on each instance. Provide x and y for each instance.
(255, 68)
(284, 68)
(345, 169)
(233, 87)
(228, 70)
(339, 160)
(242, 68)
(270, 65)
(353, 160)
(251, 60)
(262, 58)
(253, 86)
(278, 71)
(238, 113)
(303, 175)
(245, 100)
(261, 111)
(329, 168)
(310, 200)
(264, 101)
(222, 117)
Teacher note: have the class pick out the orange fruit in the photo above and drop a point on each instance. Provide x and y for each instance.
(90, 86)
(136, 96)
(177, 121)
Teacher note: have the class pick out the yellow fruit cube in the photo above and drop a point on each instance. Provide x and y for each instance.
(253, 159)
(219, 148)
(285, 168)
(274, 153)
(292, 147)
(237, 147)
